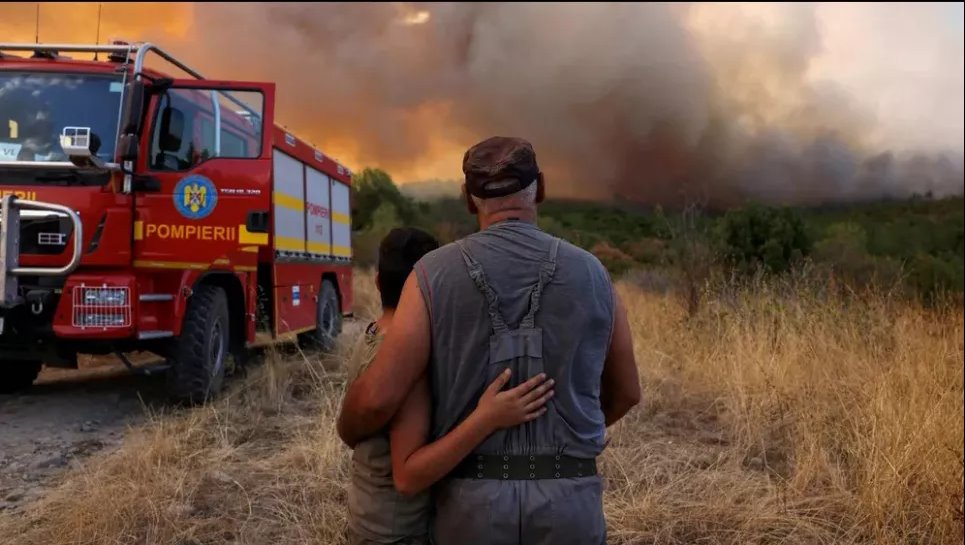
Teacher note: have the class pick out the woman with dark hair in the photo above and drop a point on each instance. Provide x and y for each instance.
(388, 498)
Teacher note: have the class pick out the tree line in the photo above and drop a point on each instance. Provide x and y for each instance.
(915, 244)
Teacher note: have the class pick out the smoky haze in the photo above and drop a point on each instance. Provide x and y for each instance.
(648, 103)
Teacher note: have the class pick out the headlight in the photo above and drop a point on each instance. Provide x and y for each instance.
(102, 306)
(105, 296)
(102, 320)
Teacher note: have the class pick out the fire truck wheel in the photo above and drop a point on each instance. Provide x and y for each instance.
(199, 356)
(328, 321)
(18, 375)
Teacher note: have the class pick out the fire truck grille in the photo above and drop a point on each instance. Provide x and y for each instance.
(101, 307)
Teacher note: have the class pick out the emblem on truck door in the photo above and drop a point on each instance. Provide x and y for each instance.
(195, 197)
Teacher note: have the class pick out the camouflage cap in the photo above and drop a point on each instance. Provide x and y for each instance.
(499, 166)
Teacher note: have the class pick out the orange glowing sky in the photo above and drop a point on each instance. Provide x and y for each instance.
(380, 90)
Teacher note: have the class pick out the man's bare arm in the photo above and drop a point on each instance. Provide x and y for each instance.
(620, 387)
(374, 397)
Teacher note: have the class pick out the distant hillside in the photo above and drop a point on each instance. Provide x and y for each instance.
(917, 242)
(429, 190)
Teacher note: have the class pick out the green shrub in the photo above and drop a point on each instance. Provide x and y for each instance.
(933, 277)
(371, 189)
(757, 237)
(365, 243)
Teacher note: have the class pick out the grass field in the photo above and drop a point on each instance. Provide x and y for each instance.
(772, 416)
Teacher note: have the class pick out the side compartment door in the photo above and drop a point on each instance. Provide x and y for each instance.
(318, 213)
(289, 205)
(203, 194)
(341, 221)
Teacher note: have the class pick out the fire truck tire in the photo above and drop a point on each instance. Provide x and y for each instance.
(18, 375)
(199, 357)
(328, 320)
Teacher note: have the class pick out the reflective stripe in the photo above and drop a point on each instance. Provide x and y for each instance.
(287, 201)
(290, 244)
(319, 247)
(247, 237)
(143, 264)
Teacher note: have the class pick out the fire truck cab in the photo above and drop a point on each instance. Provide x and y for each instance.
(141, 212)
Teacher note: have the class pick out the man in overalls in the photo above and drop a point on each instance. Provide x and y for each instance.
(510, 296)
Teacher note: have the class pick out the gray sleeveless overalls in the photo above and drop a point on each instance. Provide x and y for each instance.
(534, 304)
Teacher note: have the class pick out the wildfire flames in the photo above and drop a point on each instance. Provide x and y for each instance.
(648, 102)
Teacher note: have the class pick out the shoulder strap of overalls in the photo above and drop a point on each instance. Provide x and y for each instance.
(546, 272)
(479, 279)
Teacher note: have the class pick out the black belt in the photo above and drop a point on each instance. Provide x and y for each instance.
(519, 468)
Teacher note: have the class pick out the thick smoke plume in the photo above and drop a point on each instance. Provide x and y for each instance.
(649, 103)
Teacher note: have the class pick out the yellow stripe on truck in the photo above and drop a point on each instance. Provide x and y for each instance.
(289, 244)
(148, 264)
(287, 201)
(318, 247)
(247, 237)
(339, 217)
(145, 264)
(341, 251)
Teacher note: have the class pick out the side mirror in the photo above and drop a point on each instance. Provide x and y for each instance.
(172, 129)
(128, 146)
(133, 110)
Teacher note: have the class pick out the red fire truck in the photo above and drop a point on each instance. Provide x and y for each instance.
(142, 212)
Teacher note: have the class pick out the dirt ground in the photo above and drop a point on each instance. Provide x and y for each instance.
(67, 416)
(72, 414)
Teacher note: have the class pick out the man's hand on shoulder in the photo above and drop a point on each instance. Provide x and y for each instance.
(373, 399)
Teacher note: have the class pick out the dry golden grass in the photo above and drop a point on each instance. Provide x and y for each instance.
(772, 416)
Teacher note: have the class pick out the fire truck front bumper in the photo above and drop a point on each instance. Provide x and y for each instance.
(90, 307)
(96, 307)
(86, 313)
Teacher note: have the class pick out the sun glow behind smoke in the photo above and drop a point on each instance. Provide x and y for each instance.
(417, 18)
(718, 101)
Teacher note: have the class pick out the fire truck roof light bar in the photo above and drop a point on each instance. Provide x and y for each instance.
(142, 50)
(70, 48)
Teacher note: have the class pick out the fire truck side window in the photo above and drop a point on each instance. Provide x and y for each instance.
(190, 128)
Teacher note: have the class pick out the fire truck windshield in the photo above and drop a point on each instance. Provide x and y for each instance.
(36, 106)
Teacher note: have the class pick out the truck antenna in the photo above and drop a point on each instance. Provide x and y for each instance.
(97, 39)
(37, 25)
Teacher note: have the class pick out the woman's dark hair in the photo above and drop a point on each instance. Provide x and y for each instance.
(398, 253)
